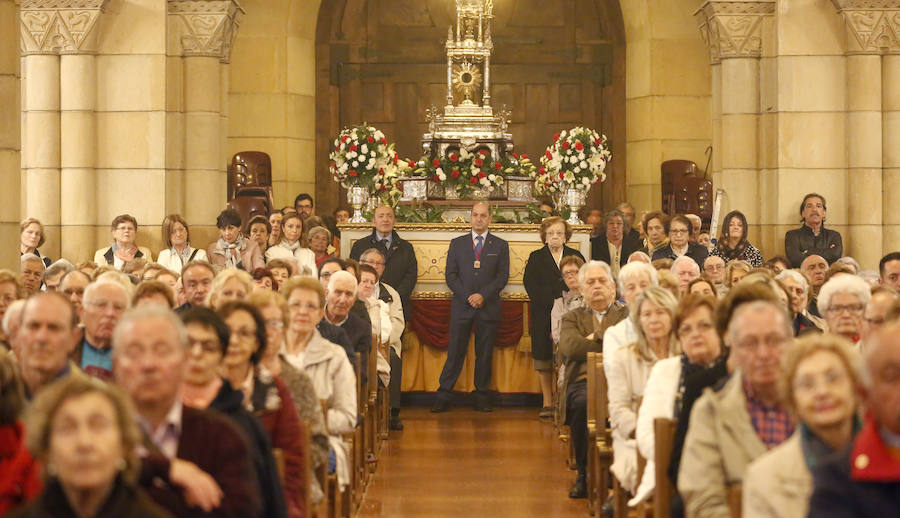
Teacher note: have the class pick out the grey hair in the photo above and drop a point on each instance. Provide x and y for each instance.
(850, 284)
(795, 276)
(682, 259)
(60, 266)
(622, 205)
(638, 256)
(757, 306)
(593, 263)
(146, 313)
(849, 261)
(15, 307)
(342, 275)
(96, 285)
(371, 251)
(313, 231)
(634, 269)
(32, 257)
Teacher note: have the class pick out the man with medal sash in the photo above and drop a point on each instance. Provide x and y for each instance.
(477, 271)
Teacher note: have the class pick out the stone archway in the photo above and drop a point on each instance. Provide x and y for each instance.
(554, 69)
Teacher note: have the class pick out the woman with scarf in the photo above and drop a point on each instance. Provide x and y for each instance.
(820, 380)
(701, 349)
(291, 245)
(733, 242)
(233, 250)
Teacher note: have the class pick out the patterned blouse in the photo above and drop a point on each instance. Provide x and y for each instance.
(750, 254)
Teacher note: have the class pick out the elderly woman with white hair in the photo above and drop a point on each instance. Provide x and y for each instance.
(628, 369)
(842, 301)
(798, 288)
(633, 279)
(228, 285)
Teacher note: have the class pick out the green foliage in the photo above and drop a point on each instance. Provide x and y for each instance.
(421, 214)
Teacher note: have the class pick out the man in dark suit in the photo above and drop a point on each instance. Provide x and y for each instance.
(614, 246)
(477, 270)
(194, 462)
(400, 267)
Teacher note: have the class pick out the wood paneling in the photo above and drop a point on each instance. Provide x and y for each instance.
(383, 62)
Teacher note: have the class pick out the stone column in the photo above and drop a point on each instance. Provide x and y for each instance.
(734, 31)
(59, 138)
(10, 134)
(873, 126)
(204, 33)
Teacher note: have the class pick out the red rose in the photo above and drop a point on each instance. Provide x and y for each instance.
(598, 142)
(483, 152)
(353, 147)
(579, 146)
(412, 164)
(453, 157)
(524, 156)
(352, 172)
(345, 138)
(455, 173)
(498, 166)
(565, 144)
(396, 159)
(542, 171)
(384, 141)
(381, 171)
(384, 187)
(473, 180)
(548, 154)
(481, 174)
(515, 156)
(479, 162)
(436, 162)
(437, 179)
(562, 174)
(370, 140)
(556, 137)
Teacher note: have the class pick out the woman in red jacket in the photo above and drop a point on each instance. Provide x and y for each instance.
(19, 473)
(267, 397)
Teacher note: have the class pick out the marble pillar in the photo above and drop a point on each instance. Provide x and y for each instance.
(10, 133)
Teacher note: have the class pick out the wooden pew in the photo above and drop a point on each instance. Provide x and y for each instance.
(735, 500)
(663, 438)
(593, 476)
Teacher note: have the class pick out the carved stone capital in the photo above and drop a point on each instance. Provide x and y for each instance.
(203, 27)
(872, 26)
(733, 28)
(59, 26)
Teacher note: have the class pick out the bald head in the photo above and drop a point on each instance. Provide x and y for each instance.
(481, 217)
(815, 267)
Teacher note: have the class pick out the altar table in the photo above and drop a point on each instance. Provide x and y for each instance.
(424, 342)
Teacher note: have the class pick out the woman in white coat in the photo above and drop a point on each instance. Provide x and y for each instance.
(291, 246)
(325, 363)
(701, 348)
(627, 371)
(178, 251)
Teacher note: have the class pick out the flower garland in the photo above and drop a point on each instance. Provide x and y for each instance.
(575, 160)
(464, 171)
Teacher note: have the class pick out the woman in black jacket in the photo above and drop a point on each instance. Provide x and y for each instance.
(544, 284)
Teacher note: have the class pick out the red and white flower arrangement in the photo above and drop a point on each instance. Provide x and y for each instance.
(362, 157)
(464, 171)
(575, 160)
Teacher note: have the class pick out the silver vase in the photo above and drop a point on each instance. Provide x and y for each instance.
(575, 199)
(357, 197)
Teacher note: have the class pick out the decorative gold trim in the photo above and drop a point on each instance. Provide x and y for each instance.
(461, 227)
(447, 295)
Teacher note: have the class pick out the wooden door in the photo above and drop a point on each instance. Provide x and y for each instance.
(554, 70)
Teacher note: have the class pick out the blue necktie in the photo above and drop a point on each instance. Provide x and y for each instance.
(478, 246)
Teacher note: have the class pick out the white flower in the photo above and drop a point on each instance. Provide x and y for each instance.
(492, 178)
(583, 164)
(485, 182)
(355, 163)
(585, 181)
(576, 170)
(364, 149)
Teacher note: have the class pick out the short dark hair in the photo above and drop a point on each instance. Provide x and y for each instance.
(258, 219)
(365, 268)
(680, 218)
(211, 320)
(812, 195)
(152, 287)
(239, 305)
(261, 273)
(228, 217)
(661, 216)
(893, 256)
(123, 218)
(304, 196)
(340, 262)
(73, 316)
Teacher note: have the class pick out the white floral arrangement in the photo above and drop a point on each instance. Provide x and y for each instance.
(575, 160)
(362, 157)
(463, 171)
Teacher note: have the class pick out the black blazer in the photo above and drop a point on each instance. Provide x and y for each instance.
(401, 270)
(801, 243)
(544, 283)
(600, 248)
(488, 280)
(698, 253)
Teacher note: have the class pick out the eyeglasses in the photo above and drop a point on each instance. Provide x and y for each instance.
(849, 308)
(372, 263)
(678, 231)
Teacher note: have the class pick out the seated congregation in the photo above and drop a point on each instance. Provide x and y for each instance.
(258, 376)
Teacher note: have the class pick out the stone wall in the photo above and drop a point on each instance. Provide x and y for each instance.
(9, 133)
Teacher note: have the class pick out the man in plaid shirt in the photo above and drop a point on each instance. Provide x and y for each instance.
(741, 419)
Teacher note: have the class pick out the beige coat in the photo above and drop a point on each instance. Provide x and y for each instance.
(720, 444)
(778, 484)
